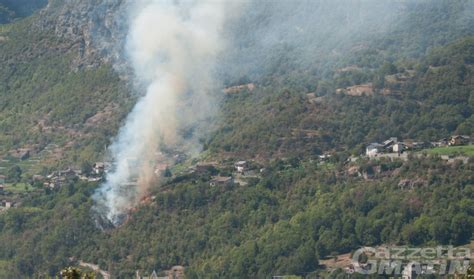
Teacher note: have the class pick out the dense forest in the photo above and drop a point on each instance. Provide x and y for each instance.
(298, 210)
(15, 9)
(435, 101)
(40, 92)
(282, 223)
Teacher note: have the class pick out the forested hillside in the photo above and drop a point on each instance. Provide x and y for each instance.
(434, 100)
(15, 9)
(302, 123)
(50, 96)
(296, 214)
(419, 73)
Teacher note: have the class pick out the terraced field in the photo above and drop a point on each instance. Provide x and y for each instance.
(466, 150)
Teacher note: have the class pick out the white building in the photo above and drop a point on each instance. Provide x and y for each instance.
(398, 147)
(373, 149)
(240, 166)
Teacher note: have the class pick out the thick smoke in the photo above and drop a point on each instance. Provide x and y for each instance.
(172, 46)
(302, 33)
(320, 35)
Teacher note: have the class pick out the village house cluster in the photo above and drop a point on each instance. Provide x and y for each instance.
(393, 145)
(56, 179)
(225, 174)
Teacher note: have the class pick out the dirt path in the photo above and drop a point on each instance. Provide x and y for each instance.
(95, 268)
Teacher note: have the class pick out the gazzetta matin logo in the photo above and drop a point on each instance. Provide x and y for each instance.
(408, 261)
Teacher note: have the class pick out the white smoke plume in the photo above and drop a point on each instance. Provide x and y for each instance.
(172, 46)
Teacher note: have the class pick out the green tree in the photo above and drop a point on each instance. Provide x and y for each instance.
(86, 167)
(14, 174)
(74, 273)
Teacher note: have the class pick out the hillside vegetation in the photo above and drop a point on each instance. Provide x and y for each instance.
(45, 101)
(15, 9)
(280, 119)
(296, 208)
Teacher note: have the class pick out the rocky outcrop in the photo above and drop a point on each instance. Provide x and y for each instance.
(412, 183)
(93, 30)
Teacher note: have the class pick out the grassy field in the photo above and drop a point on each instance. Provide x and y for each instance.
(4, 265)
(466, 150)
(18, 188)
(30, 166)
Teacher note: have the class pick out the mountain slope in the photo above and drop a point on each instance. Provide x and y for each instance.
(14, 9)
(50, 95)
(64, 89)
(280, 119)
